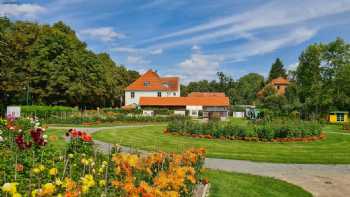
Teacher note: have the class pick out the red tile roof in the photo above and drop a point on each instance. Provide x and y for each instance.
(184, 101)
(280, 81)
(156, 83)
(206, 94)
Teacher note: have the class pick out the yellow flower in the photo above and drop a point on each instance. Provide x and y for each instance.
(41, 167)
(16, 195)
(10, 188)
(58, 182)
(35, 192)
(88, 181)
(84, 161)
(102, 183)
(36, 170)
(53, 171)
(132, 159)
(48, 189)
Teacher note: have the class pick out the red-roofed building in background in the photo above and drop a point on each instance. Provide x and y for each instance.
(280, 84)
(151, 91)
(150, 84)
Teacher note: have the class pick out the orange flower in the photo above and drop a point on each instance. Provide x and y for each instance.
(19, 168)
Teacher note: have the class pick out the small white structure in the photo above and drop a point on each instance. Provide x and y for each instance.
(238, 114)
(180, 112)
(148, 112)
(13, 111)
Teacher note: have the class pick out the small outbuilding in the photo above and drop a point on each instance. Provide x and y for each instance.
(338, 116)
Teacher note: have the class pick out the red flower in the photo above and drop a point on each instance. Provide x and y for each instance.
(74, 133)
(86, 137)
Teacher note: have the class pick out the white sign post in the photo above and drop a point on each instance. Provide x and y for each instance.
(13, 111)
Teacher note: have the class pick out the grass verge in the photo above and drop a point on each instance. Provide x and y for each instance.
(236, 184)
(335, 149)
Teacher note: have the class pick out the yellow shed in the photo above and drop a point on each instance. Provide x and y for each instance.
(338, 116)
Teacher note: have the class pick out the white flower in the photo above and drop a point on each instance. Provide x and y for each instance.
(1, 139)
(45, 136)
(20, 130)
(37, 124)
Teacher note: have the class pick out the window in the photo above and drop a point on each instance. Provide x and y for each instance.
(174, 93)
(340, 117)
(159, 94)
(194, 112)
(132, 94)
(146, 83)
(278, 87)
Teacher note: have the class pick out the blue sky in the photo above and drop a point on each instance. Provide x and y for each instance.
(195, 38)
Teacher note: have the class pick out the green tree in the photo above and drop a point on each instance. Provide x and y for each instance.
(248, 86)
(277, 70)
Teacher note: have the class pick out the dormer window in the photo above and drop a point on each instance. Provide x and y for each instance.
(146, 83)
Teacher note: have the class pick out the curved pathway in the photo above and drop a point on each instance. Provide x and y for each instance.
(321, 180)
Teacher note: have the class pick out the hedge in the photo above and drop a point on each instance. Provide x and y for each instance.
(44, 111)
(265, 131)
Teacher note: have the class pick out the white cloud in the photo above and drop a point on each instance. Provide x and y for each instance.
(156, 52)
(138, 51)
(259, 47)
(136, 61)
(293, 66)
(105, 34)
(195, 47)
(125, 50)
(276, 13)
(21, 10)
(199, 67)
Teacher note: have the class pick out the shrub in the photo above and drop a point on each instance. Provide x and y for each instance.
(265, 130)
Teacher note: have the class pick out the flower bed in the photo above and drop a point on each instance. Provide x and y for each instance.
(31, 167)
(278, 131)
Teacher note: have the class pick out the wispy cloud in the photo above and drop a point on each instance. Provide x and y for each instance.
(131, 50)
(263, 46)
(276, 13)
(21, 10)
(105, 34)
(136, 61)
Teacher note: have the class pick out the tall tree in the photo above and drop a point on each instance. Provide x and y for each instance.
(248, 86)
(277, 70)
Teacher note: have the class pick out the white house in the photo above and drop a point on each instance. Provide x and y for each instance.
(151, 84)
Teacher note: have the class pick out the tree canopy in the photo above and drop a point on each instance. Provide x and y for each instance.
(43, 64)
(277, 70)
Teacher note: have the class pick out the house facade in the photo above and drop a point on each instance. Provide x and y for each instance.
(150, 84)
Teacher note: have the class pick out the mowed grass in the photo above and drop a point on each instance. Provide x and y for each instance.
(335, 149)
(236, 184)
(56, 138)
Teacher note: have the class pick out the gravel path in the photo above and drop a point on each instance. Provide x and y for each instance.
(320, 180)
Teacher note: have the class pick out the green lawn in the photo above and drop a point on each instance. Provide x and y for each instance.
(236, 184)
(59, 133)
(335, 149)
